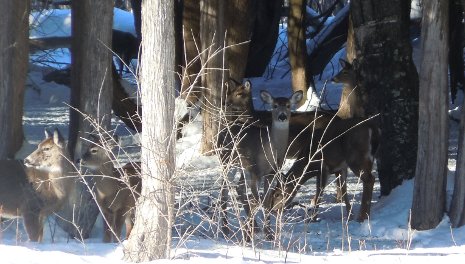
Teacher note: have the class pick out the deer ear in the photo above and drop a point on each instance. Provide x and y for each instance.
(248, 86)
(47, 134)
(266, 97)
(57, 138)
(297, 97)
(355, 63)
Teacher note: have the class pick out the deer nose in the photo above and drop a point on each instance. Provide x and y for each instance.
(282, 117)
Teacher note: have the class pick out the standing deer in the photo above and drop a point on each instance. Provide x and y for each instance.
(38, 189)
(115, 196)
(345, 143)
(259, 151)
(301, 124)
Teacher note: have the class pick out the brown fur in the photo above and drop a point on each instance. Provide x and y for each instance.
(346, 143)
(115, 196)
(36, 191)
(259, 150)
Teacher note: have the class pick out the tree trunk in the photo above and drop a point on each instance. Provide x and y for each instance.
(91, 95)
(136, 10)
(388, 82)
(190, 88)
(429, 195)
(212, 30)
(456, 48)
(264, 36)
(238, 31)
(14, 56)
(297, 47)
(457, 208)
(151, 237)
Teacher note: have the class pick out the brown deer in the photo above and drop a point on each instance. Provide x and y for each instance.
(38, 189)
(115, 195)
(301, 124)
(351, 98)
(345, 143)
(259, 151)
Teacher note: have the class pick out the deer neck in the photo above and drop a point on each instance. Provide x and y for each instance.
(279, 135)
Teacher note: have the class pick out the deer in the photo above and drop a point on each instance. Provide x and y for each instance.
(115, 197)
(126, 46)
(344, 143)
(351, 97)
(301, 124)
(38, 187)
(258, 151)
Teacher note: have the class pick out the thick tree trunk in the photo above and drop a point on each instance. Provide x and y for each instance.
(429, 195)
(212, 17)
(238, 31)
(456, 48)
(14, 51)
(91, 97)
(264, 36)
(388, 82)
(151, 237)
(297, 47)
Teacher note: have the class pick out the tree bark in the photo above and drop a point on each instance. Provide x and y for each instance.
(429, 194)
(151, 236)
(456, 66)
(388, 82)
(264, 36)
(190, 83)
(212, 17)
(91, 97)
(14, 55)
(297, 46)
(457, 208)
(238, 31)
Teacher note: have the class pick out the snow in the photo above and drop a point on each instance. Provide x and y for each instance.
(384, 238)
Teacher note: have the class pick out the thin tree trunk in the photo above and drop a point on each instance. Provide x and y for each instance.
(91, 95)
(190, 88)
(14, 51)
(151, 237)
(429, 195)
(297, 47)
(457, 208)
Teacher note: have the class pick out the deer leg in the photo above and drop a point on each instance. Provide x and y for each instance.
(118, 227)
(342, 190)
(320, 185)
(267, 203)
(368, 181)
(223, 219)
(107, 226)
(129, 223)
(340, 193)
(243, 197)
(33, 223)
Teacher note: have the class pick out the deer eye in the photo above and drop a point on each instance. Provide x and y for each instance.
(93, 151)
(45, 148)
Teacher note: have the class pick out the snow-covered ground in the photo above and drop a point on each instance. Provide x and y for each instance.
(384, 238)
